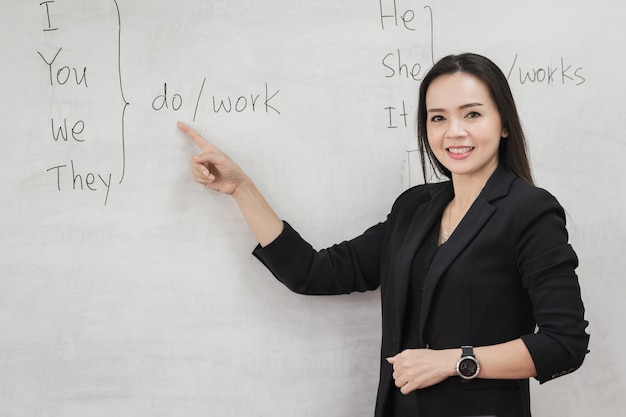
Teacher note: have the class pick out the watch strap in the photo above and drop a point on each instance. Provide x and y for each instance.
(467, 351)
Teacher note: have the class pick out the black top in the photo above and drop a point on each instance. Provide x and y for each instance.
(401, 405)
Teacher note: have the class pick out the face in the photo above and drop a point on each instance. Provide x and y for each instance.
(463, 126)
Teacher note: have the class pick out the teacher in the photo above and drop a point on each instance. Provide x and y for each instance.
(478, 285)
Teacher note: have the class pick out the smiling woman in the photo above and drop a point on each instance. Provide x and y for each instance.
(468, 268)
(464, 130)
(464, 127)
(475, 76)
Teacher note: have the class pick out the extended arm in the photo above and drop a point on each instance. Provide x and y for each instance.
(217, 171)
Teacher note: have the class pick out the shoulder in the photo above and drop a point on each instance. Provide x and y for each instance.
(533, 198)
(421, 194)
(505, 188)
(536, 216)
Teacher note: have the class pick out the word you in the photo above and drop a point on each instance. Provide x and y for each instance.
(63, 74)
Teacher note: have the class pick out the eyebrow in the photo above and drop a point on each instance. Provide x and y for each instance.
(465, 106)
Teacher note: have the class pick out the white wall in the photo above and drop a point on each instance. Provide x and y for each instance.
(140, 297)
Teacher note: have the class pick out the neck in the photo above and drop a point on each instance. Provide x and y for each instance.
(467, 188)
(465, 195)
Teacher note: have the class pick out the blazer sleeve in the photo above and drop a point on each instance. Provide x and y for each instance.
(343, 268)
(547, 264)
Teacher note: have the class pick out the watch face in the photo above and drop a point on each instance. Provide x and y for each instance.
(468, 367)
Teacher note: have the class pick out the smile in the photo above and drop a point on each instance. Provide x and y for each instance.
(460, 151)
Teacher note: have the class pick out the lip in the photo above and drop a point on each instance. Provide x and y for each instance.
(459, 152)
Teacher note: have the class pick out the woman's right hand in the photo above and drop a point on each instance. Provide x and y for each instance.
(217, 171)
(212, 167)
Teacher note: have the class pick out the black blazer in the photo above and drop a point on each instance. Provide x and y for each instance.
(506, 272)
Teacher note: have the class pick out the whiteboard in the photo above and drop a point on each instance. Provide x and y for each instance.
(127, 289)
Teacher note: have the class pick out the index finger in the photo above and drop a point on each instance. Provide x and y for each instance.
(194, 136)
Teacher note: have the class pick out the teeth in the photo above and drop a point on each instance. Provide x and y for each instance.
(460, 150)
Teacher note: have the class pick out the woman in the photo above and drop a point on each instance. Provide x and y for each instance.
(477, 278)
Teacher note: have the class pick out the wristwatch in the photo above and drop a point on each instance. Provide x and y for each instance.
(467, 367)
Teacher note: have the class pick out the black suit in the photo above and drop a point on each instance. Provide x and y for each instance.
(507, 268)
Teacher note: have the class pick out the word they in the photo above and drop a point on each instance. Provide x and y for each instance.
(81, 182)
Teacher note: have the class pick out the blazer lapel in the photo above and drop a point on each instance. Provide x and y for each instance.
(423, 219)
(473, 221)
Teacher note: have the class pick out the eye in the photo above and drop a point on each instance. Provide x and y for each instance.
(472, 115)
(437, 118)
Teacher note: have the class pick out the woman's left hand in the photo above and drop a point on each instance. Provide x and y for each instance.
(420, 368)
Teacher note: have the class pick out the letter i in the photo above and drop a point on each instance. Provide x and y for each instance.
(49, 28)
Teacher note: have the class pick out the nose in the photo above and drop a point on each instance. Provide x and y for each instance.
(456, 129)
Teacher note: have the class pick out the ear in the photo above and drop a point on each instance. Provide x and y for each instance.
(505, 133)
